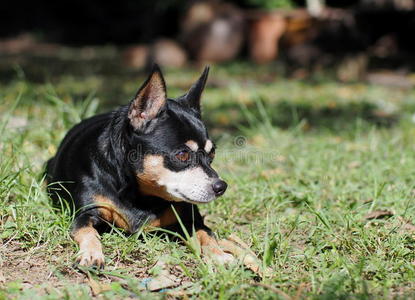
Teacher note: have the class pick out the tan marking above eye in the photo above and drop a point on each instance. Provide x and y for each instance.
(208, 146)
(192, 145)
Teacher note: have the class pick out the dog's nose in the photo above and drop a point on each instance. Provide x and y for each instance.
(219, 187)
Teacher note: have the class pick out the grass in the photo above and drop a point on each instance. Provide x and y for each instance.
(305, 163)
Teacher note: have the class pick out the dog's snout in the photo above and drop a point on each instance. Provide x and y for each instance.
(219, 187)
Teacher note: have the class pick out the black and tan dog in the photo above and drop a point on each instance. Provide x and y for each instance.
(129, 167)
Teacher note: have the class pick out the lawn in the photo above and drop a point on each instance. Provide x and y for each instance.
(321, 187)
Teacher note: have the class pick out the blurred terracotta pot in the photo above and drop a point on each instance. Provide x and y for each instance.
(265, 32)
(136, 56)
(213, 31)
(168, 53)
(164, 52)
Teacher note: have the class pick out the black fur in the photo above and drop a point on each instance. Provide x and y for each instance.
(103, 154)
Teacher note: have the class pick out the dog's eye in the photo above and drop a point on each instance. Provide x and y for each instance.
(183, 156)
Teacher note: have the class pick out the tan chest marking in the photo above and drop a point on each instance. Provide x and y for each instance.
(149, 186)
(110, 212)
(167, 218)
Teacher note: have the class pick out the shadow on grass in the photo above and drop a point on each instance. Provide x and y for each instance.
(227, 116)
(285, 114)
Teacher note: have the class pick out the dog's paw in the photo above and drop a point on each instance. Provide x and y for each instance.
(224, 259)
(91, 258)
(218, 256)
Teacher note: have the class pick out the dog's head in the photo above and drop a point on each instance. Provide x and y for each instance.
(175, 152)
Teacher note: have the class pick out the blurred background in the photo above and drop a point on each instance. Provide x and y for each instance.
(81, 47)
(312, 104)
(352, 37)
(302, 34)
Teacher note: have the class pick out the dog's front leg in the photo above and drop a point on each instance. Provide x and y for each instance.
(193, 220)
(207, 240)
(210, 247)
(87, 237)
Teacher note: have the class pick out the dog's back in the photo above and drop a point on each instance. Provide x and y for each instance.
(72, 151)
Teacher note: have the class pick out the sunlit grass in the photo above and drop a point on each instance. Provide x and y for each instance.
(305, 162)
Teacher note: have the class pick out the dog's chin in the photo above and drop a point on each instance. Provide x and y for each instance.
(197, 201)
(180, 197)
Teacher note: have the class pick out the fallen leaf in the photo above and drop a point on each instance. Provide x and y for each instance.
(378, 214)
(267, 174)
(241, 250)
(248, 259)
(162, 282)
(16, 122)
(272, 288)
(354, 165)
(96, 287)
(236, 239)
(2, 278)
(26, 285)
(406, 225)
(163, 279)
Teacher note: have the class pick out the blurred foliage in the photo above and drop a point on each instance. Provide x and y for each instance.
(270, 4)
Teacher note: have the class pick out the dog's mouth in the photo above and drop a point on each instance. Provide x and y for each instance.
(197, 201)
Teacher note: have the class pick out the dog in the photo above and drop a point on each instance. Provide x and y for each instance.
(141, 165)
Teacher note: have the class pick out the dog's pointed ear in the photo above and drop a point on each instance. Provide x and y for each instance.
(149, 100)
(193, 96)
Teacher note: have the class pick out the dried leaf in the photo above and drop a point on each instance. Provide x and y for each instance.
(162, 282)
(236, 246)
(163, 279)
(2, 278)
(96, 287)
(237, 240)
(16, 122)
(250, 261)
(406, 225)
(378, 214)
(354, 165)
(272, 288)
(267, 174)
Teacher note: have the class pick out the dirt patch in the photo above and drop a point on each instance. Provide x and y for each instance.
(45, 272)
(35, 268)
